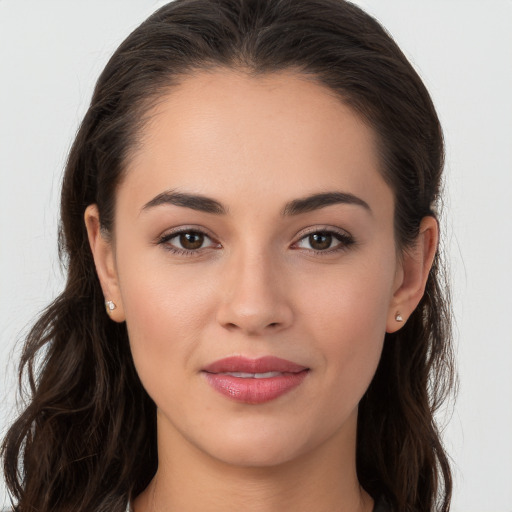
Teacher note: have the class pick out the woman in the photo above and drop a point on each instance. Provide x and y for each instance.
(252, 198)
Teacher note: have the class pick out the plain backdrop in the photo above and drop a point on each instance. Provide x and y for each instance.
(51, 53)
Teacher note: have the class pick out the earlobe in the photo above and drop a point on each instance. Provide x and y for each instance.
(415, 268)
(103, 254)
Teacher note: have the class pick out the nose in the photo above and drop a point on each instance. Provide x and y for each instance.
(254, 296)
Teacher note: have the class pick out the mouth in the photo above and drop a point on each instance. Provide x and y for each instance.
(244, 375)
(254, 381)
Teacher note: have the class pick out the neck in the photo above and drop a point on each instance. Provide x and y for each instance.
(323, 480)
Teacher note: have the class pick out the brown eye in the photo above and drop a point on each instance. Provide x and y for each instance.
(325, 241)
(320, 241)
(187, 242)
(191, 240)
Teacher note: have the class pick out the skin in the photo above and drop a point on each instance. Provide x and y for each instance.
(257, 287)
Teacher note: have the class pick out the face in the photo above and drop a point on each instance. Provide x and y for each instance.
(254, 262)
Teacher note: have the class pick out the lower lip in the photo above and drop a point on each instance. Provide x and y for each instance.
(254, 391)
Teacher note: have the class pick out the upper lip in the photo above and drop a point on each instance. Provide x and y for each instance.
(260, 365)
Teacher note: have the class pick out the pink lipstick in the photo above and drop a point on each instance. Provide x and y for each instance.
(254, 381)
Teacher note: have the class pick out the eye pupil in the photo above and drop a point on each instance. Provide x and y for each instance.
(320, 241)
(191, 240)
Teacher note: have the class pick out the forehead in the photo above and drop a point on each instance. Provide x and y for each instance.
(278, 136)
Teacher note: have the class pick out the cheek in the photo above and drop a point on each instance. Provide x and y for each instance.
(352, 299)
(346, 315)
(166, 310)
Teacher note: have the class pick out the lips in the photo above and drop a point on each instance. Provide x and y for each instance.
(254, 381)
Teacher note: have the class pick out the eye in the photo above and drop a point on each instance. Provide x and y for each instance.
(190, 241)
(325, 241)
(187, 241)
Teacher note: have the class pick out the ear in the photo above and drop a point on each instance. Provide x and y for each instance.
(104, 259)
(413, 274)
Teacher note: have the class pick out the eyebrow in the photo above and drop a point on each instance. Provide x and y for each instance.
(317, 201)
(193, 201)
(296, 207)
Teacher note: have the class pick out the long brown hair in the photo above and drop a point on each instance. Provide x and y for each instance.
(87, 438)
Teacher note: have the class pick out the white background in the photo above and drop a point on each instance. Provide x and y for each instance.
(51, 53)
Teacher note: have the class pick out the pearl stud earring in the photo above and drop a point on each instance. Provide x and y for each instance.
(398, 317)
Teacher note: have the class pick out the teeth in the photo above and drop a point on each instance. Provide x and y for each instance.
(244, 375)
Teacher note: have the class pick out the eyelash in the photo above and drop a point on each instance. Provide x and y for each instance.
(165, 241)
(345, 241)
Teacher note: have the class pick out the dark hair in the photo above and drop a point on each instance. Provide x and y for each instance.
(89, 418)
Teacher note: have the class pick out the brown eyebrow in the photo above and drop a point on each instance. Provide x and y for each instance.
(317, 201)
(295, 207)
(193, 201)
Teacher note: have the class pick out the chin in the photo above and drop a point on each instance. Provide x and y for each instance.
(255, 456)
(259, 445)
